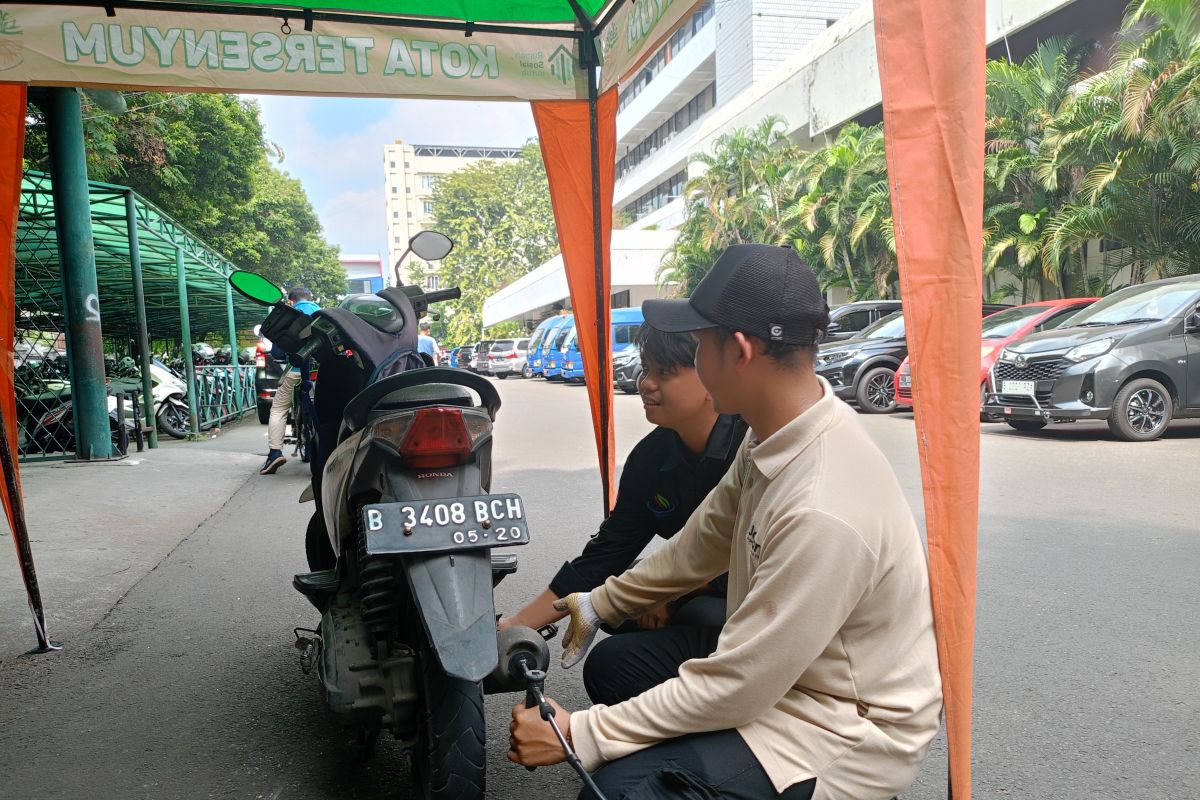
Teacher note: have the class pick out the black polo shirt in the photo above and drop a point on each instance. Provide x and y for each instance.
(661, 485)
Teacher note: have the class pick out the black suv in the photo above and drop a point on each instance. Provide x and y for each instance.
(849, 320)
(863, 368)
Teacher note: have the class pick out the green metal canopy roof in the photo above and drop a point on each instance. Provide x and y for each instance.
(39, 271)
(543, 11)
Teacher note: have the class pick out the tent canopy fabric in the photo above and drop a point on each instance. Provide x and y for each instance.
(39, 270)
(474, 10)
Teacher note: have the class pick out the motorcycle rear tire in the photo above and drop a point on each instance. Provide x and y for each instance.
(451, 761)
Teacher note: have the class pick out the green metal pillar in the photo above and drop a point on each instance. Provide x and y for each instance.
(185, 327)
(139, 304)
(81, 296)
(233, 349)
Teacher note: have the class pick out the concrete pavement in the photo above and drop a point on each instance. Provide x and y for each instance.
(189, 687)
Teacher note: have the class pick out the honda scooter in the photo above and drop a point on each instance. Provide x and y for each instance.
(401, 544)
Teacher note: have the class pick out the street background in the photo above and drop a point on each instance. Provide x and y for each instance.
(167, 577)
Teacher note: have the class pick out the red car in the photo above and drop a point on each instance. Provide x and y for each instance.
(999, 330)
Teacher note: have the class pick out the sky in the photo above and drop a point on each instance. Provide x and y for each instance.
(335, 147)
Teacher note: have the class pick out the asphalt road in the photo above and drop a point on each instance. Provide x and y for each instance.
(1087, 674)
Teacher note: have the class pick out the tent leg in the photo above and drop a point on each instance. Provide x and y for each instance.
(81, 297)
(24, 552)
(139, 303)
(185, 327)
(602, 336)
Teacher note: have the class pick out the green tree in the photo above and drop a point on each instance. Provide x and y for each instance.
(500, 218)
(740, 194)
(279, 236)
(843, 222)
(1022, 103)
(1133, 132)
(202, 158)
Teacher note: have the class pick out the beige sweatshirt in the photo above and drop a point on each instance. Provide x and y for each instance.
(827, 665)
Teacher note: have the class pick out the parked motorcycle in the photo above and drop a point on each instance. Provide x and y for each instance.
(400, 546)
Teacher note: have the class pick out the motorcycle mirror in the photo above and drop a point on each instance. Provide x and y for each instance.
(431, 245)
(255, 287)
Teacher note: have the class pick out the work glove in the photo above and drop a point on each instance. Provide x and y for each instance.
(582, 630)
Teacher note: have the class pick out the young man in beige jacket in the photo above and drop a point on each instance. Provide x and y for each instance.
(823, 682)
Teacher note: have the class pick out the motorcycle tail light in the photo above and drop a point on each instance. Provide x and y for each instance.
(431, 437)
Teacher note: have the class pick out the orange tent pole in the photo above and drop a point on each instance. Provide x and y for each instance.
(931, 66)
(12, 150)
(579, 146)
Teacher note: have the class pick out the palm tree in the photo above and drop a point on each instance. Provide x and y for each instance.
(739, 196)
(1022, 102)
(1134, 134)
(843, 223)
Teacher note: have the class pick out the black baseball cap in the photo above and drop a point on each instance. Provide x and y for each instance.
(759, 289)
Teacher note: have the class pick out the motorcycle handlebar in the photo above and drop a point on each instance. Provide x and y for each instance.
(443, 294)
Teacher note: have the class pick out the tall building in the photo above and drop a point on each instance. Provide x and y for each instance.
(364, 273)
(716, 54)
(412, 170)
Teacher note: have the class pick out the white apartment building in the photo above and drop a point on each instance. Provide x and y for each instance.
(411, 171)
(364, 272)
(719, 52)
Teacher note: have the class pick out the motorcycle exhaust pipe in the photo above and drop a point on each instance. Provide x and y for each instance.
(518, 647)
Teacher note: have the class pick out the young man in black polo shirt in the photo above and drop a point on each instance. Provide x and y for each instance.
(667, 475)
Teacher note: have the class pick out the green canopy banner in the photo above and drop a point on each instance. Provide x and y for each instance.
(636, 31)
(140, 48)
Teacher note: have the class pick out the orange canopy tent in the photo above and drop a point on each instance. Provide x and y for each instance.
(567, 57)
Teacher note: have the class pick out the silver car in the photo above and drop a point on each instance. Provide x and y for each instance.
(509, 357)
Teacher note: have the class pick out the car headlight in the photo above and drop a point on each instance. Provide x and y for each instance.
(836, 357)
(1007, 355)
(1090, 350)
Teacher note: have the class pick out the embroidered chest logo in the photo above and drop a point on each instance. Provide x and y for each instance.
(660, 505)
(755, 545)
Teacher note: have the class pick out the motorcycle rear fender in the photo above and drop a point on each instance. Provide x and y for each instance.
(452, 591)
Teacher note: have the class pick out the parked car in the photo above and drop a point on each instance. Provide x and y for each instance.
(507, 357)
(533, 359)
(624, 326)
(1000, 330)
(863, 369)
(1131, 359)
(462, 356)
(541, 351)
(267, 372)
(847, 321)
(552, 359)
(479, 358)
(627, 370)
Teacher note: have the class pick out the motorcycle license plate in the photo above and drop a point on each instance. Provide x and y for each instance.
(436, 526)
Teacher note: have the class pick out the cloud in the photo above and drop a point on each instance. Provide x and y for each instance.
(334, 146)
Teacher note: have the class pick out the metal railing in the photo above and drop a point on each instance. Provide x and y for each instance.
(223, 392)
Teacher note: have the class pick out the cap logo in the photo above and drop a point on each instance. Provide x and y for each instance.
(777, 332)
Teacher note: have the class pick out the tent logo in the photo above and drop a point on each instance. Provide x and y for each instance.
(11, 46)
(562, 65)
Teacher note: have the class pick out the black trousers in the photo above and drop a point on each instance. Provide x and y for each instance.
(702, 766)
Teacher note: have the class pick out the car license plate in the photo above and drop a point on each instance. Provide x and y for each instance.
(1019, 387)
(906, 381)
(455, 523)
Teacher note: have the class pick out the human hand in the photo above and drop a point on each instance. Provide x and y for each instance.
(582, 630)
(531, 740)
(505, 622)
(655, 618)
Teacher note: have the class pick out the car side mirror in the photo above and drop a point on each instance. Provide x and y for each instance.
(833, 327)
(1193, 323)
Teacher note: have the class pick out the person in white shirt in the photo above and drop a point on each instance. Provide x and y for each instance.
(823, 682)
